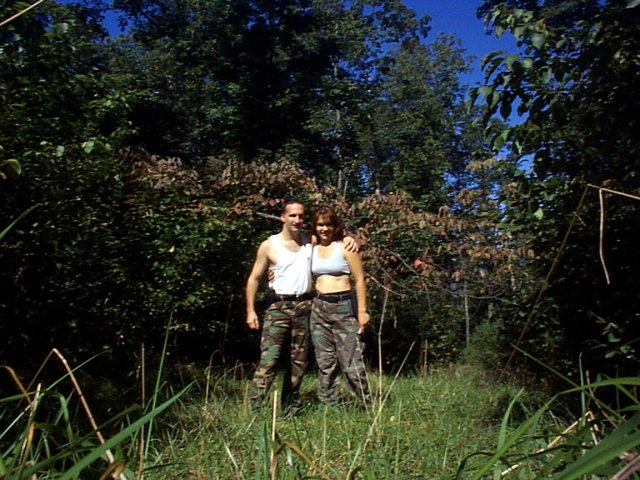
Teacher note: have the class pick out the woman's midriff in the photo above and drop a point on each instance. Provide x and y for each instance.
(332, 284)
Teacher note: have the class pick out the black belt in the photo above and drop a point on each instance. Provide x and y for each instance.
(335, 297)
(291, 298)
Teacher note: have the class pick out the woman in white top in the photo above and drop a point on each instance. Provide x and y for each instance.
(338, 315)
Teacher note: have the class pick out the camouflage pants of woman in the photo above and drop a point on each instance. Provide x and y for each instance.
(336, 340)
(285, 336)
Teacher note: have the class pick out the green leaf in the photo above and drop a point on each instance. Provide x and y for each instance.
(473, 96)
(509, 59)
(539, 214)
(493, 65)
(505, 109)
(14, 165)
(518, 31)
(518, 146)
(499, 140)
(518, 13)
(633, 3)
(496, 96)
(88, 146)
(545, 75)
(538, 40)
(488, 57)
(485, 91)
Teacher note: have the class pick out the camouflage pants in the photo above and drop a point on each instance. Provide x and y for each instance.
(285, 336)
(334, 331)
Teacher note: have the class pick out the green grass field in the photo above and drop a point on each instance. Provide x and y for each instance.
(456, 423)
(420, 427)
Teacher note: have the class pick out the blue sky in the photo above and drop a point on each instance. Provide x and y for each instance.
(459, 17)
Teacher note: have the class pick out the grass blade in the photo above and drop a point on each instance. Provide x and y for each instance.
(99, 451)
(616, 443)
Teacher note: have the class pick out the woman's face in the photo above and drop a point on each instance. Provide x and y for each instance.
(324, 229)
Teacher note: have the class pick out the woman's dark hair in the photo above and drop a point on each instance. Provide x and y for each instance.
(328, 214)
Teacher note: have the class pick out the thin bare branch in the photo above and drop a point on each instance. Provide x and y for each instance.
(268, 216)
(601, 243)
(632, 467)
(22, 12)
(85, 405)
(617, 192)
(17, 381)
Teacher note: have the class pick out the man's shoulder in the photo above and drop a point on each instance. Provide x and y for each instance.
(267, 242)
(267, 248)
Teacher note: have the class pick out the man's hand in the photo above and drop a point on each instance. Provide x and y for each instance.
(252, 321)
(271, 274)
(350, 244)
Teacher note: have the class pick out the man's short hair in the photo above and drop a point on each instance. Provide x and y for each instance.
(293, 201)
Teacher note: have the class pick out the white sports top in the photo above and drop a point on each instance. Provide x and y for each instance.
(334, 264)
(292, 269)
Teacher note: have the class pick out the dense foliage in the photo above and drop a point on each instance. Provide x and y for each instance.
(574, 85)
(153, 164)
(121, 240)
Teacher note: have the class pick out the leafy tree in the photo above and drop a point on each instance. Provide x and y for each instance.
(416, 120)
(299, 79)
(237, 77)
(557, 13)
(575, 86)
(49, 77)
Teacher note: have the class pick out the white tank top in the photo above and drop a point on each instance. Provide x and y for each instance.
(292, 271)
(334, 264)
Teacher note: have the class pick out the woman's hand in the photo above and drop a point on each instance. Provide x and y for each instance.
(363, 319)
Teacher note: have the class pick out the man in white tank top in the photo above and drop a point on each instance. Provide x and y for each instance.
(286, 322)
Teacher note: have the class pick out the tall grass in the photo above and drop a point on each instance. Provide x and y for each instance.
(456, 423)
(424, 429)
(451, 424)
(49, 431)
(601, 443)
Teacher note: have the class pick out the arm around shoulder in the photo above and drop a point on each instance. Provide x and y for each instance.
(350, 245)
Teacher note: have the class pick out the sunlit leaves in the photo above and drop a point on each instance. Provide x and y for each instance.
(538, 40)
(88, 146)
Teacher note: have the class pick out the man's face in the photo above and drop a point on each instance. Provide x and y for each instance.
(293, 217)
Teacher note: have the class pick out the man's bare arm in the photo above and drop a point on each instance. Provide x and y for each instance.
(253, 282)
